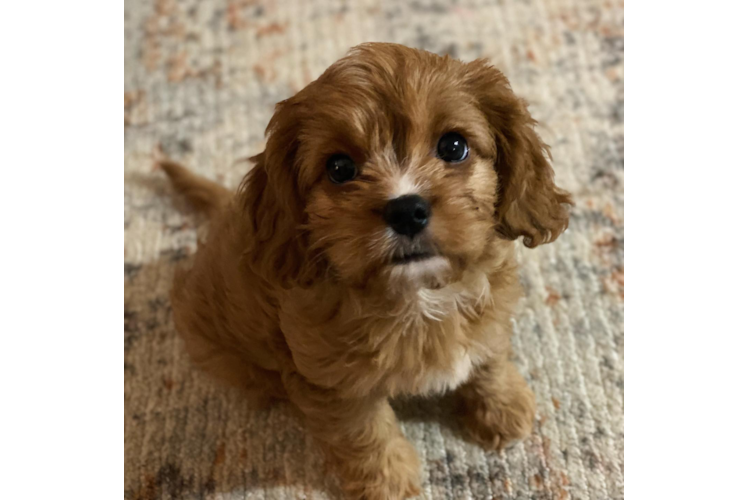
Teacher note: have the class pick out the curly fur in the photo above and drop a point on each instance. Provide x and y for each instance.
(294, 294)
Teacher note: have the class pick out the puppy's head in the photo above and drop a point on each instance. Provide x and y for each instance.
(399, 167)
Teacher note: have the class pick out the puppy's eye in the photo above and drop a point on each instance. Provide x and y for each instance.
(452, 148)
(340, 169)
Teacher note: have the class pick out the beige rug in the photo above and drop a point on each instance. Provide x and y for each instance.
(201, 78)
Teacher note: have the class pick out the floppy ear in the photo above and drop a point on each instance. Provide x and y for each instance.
(274, 204)
(529, 202)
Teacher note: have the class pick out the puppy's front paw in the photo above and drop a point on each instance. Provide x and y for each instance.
(393, 474)
(493, 422)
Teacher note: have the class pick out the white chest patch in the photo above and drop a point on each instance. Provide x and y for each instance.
(439, 381)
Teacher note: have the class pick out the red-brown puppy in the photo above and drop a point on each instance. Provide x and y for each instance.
(369, 253)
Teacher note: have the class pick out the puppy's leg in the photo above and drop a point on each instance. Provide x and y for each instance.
(260, 386)
(497, 406)
(362, 438)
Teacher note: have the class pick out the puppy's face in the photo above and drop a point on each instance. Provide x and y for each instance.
(402, 181)
(405, 166)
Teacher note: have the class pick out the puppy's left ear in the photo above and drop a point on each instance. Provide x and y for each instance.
(529, 202)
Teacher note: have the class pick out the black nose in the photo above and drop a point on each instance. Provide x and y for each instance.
(407, 214)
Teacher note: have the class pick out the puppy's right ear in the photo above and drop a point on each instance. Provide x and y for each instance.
(277, 250)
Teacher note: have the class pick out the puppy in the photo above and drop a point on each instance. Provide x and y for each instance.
(369, 254)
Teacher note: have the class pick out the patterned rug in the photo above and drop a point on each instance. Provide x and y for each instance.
(201, 78)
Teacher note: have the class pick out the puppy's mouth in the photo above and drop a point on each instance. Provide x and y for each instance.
(407, 258)
(414, 251)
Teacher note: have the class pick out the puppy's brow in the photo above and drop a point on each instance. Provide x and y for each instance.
(401, 125)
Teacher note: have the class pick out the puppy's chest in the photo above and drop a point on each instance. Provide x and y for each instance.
(422, 344)
(438, 349)
(440, 378)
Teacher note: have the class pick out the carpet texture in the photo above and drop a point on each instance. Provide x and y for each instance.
(201, 78)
